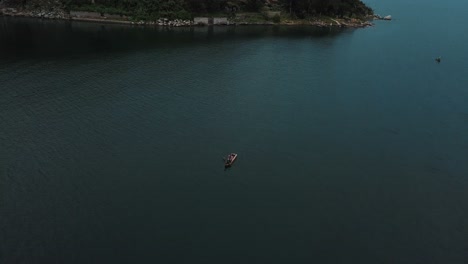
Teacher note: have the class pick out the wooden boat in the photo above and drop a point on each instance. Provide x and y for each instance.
(230, 160)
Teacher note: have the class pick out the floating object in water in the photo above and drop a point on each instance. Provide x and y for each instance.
(230, 160)
(438, 59)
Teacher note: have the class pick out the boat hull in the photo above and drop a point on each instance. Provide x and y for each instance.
(230, 160)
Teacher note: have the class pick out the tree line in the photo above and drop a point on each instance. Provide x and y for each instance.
(151, 9)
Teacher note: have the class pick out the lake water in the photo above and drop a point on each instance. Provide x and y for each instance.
(352, 144)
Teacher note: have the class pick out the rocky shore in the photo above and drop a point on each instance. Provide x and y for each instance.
(92, 17)
(330, 22)
(378, 17)
(48, 14)
(164, 22)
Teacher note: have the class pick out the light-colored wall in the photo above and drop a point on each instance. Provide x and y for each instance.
(220, 21)
(200, 20)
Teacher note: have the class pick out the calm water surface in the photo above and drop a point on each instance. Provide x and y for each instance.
(352, 144)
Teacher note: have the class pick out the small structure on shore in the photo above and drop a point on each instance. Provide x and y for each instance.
(200, 21)
(203, 21)
(220, 21)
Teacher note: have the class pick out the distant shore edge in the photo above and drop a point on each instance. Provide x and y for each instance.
(323, 22)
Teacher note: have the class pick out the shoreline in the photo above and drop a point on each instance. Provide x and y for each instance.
(321, 22)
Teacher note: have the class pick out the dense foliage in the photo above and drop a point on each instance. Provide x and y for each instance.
(341, 8)
(149, 9)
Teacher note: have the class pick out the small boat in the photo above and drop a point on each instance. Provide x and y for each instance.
(230, 160)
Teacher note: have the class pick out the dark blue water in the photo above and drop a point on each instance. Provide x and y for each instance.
(352, 144)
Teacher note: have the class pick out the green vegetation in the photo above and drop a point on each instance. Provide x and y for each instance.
(276, 18)
(185, 9)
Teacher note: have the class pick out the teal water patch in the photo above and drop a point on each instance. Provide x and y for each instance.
(352, 143)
